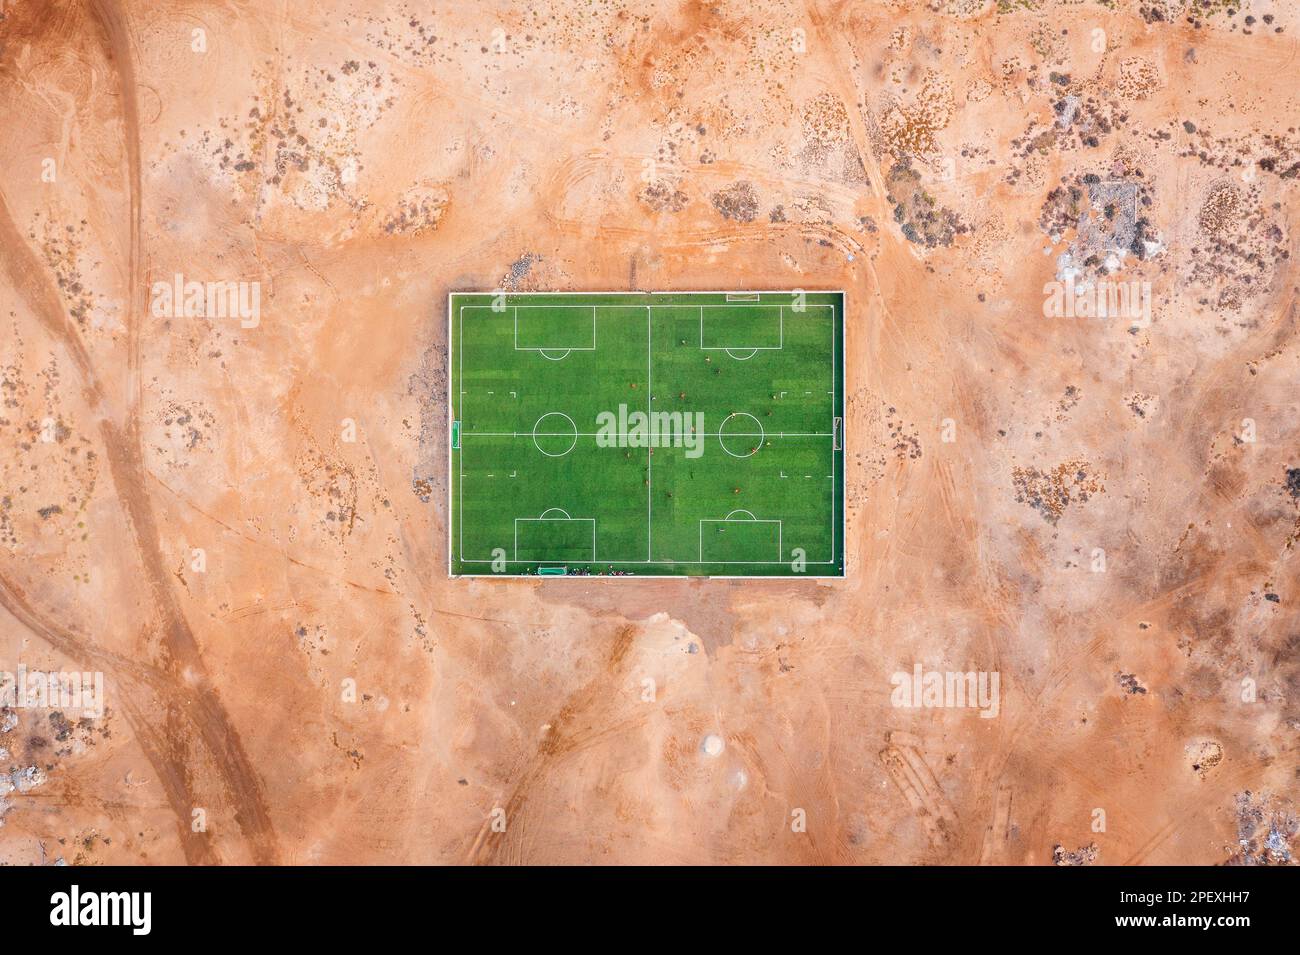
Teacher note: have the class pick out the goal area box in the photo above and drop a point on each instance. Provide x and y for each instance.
(663, 434)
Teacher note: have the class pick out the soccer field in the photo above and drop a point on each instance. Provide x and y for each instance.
(665, 434)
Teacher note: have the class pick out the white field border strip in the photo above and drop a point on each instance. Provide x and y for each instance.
(456, 411)
(665, 562)
(649, 454)
(780, 530)
(561, 520)
(595, 434)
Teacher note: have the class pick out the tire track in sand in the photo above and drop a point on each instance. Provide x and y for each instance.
(914, 778)
(126, 461)
(192, 700)
(581, 722)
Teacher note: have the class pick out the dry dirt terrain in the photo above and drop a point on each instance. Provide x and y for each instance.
(238, 518)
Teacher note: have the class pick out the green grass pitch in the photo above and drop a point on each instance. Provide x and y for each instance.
(661, 434)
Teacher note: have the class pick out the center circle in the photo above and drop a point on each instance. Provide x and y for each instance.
(555, 434)
(743, 434)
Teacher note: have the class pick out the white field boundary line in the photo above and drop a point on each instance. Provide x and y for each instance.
(649, 454)
(635, 576)
(837, 450)
(460, 402)
(641, 563)
(451, 416)
(745, 298)
(624, 293)
(596, 434)
(560, 520)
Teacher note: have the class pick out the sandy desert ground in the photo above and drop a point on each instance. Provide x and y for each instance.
(240, 521)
